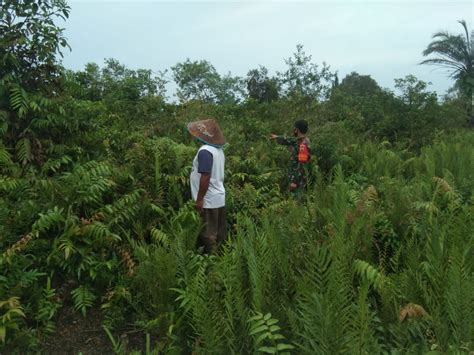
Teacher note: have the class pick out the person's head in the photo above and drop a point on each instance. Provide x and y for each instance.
(300, 127)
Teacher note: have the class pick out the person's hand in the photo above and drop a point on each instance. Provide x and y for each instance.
(293, 186)
(200, 206)
(273, 136)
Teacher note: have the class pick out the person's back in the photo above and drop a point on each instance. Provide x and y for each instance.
(215, 195)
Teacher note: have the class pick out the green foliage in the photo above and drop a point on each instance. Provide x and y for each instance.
(359, 85)
(83, 299)
(265, 330)
(455, 52)
(95, 211)
(30, 39)
(48, 308)
(30, 75)
(114, 82)
(152, 283)
(335, 272)
(200, 81)
(118, 346)
(261, 87)
(12, 311)
(419, 110)
(303, 78)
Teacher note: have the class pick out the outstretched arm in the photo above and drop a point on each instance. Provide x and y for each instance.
(283, 140)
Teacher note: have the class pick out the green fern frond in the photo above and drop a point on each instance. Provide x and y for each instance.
(370, 274)
(323, 316)
(427, 206)
(160, 237)
(267, 336)
(11, 311)
(23, 151)
(55, 165)
(9, 184)
(364, 331)
(459, 296)
(83, 299)
(3, 121)
(19, 100)
(124, 209)
(5, 157)
(259, 261)
(52, 217)
(98, 231)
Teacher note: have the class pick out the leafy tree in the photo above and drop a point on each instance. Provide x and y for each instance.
(199, 80)
(360, 85)
(456, 53)
(30, 41)
(418, 112)
(336, 80)
(114, 92)
(230, 89)
(361, 101)
(196, 80)
(130, 84)
(86, 84)
(261, 87)
(304, 79)
(30, 76)
(116, 82)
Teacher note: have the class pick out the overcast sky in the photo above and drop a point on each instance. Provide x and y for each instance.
(381, 38)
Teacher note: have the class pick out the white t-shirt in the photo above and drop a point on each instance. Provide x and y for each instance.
(215, 195)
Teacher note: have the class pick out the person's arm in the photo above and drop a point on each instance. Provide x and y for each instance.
(205, 161)
(203, 187)
(283, 140)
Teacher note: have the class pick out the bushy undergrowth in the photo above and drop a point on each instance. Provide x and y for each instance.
(96, 217)
(378, 258)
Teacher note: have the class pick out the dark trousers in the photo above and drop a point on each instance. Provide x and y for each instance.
(214, 231)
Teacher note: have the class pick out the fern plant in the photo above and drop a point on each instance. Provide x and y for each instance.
(83, 299)
(265, 330)
(12, 313)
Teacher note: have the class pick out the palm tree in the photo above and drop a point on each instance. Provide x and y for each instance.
(456, 53)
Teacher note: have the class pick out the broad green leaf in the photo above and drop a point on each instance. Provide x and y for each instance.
(268, 350)
(284, 347)
(258, 329)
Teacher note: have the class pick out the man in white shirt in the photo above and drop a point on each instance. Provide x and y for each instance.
(207, 182)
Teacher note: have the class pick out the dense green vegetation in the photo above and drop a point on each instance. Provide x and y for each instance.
(95, 210)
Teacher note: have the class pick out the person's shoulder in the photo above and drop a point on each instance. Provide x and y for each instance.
(212, 149)
(204, 150)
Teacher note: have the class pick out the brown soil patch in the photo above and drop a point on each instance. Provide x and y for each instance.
(77, 334)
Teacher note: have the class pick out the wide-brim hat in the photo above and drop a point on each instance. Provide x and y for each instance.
(207, 131)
